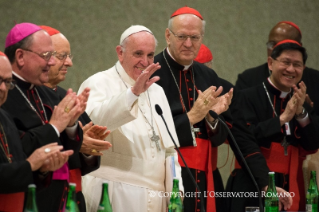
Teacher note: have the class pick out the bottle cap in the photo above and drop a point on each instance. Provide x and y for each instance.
(72, 184)
(271, 172)
(31, 186)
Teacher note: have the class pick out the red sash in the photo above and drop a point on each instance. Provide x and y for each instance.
(202, 157)
(75, 177)
(278, 162)
(12, 202)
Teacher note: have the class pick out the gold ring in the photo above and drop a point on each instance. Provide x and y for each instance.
(66, 109)
(294, 102)
(47, 150)
(94, 151)
(205, 102)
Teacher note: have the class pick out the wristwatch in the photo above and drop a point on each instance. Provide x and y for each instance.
(302, 114)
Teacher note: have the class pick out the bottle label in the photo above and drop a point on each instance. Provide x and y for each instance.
(308, 208)
(271, 209)
(100, 207)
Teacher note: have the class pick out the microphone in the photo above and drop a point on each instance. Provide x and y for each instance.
(215, 116)
(160, 113)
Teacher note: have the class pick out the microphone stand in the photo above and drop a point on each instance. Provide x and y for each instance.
(215, 116)
(160, 113)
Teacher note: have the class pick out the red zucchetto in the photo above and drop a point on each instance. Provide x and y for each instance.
(186, 10)
(287, 41)
(51, 31)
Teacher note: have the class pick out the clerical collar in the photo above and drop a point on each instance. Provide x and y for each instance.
(21, 78)
(283, 94)
(123, 74)
(185, 67)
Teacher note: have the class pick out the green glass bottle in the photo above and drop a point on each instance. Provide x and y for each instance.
(176, 204)
(105, 204)
(312, 194)
(271, 197)
(31, 204)
(71, 205)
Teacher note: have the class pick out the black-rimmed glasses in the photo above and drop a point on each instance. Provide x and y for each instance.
(10, 83)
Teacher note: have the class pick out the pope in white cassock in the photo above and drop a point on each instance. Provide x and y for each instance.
(142, 160)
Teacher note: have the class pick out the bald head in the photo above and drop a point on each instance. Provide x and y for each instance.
(283, 31)
(5, 77)
(57, 73)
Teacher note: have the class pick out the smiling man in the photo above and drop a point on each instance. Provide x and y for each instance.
(40, 119)
(282, 122)
(123, 98)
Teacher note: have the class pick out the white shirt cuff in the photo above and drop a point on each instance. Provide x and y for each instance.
(304, 121)
(131, 97)
(56, 130)
(71, 131)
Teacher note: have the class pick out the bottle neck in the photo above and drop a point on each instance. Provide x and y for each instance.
(105, 191)
(271, 183)
(175, 185)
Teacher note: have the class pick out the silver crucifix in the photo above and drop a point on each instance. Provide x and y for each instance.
(156, 138)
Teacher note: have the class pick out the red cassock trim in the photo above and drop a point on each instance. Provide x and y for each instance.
(202, 157)
(12, 202)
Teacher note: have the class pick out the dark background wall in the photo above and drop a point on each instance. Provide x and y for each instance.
(236, 31)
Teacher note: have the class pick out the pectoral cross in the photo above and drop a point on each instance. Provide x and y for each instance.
(285, 144)
(156, 138)
(193, 134)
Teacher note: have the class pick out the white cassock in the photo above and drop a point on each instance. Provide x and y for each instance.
(137, 172)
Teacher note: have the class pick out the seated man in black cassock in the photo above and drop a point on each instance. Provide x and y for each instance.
(39, 118)
(18, 171)
(283, 123)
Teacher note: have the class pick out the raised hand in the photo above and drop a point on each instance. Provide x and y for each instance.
(300, 96)
(143, 82)
(81, 103)
(223, 102)
(205, 101)
(64, 111)
(289, 111)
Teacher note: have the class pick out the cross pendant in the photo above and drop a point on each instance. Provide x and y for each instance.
(156, 138)
(285, 144)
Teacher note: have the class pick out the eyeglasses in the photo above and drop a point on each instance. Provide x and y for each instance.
(10, 83)
(287, 63)
(270, 44)
(63, 56)
(183, 37)
(46, 55)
